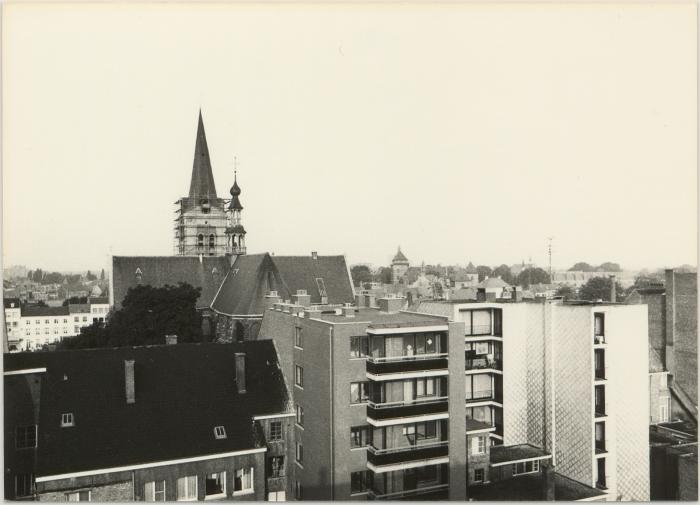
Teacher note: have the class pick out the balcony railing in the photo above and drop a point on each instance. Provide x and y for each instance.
(600, 410)
(600, 373)
(600, 447)
(478, 330)
(408, 493)
(398, 364)
(416, 452)
(599, 339)
(477, 395)
(480, 363)
(420, 406)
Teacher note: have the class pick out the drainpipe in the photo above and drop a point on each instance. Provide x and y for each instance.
(330, 367)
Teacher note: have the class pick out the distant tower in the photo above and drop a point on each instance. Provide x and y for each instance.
(235, 233)
(200, 217)
(399, 267)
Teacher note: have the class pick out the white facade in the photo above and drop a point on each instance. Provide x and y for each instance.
(598, 387)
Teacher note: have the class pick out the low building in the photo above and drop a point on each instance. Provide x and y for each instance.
(157, 423)
(674, 461)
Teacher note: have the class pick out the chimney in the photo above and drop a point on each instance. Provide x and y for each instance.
(490, 296)
(272, 298)
(613, 293)
(314, 255)
(359, 300)
(129, 379)
(370, 300)
(518, 294)
(170, 339)
(313, 312)
(390, 305)
(301, 298)
(349, 311)
(240, 372)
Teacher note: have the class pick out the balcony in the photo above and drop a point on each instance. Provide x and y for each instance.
(478, 330)
(599, 374)
(480, 395)
(392, 456)
(480, 363)
(418, 407)
(399, 364)
(432, 493)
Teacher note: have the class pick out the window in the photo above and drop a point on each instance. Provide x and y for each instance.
(78, 496)
(425, 343)
(426, 430)
(478, 475)
(29, 322)
(359, 347)
(359, 481)
(47, 321)
(664, 402)
(277, 496)
(65, 321)
(425, 387)
(36, 321)
(300, 415)
(599, 320)
(478, 445)
(359, 392)
(76, 319)
(275, 430)
(67, 420)
(187, 488)
(200, 240)
(243, 481)
(298, 493)
(154, 491)
(55, 321)
(300, 453)
(76, 329)
(298, 338)
(298, 376)
(215, 485)
(219, 432)
(84, 319)
(25, 437)
(359, 436)
(46, 331)
(212, 241)
(526, 467)
(23, 485)
(275, 466)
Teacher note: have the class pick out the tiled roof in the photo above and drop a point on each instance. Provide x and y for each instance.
(252, 276)
(531, 488)
(11, 303)
(158, 271)
(182, 392)
(493, 282)
(399, 257)
(98, 299)
(44, 311)
(202, 183)
(79, 308)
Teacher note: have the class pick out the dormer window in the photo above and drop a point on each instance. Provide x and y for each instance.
(219, 432)
(67, 420)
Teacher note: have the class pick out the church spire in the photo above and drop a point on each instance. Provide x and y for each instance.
(202, 184)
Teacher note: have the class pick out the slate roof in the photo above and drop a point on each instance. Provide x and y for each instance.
(505, 453)
(202, 183)
(182, 392)
(158, 271)
(29, 311)
(76, 308)
(530, 488)
(399, 257)
(11, 303)
(252, 276)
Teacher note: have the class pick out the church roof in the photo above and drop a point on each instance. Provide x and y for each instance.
(157, 271)
(399, 257)
(235, 193)
(252, 276)
(202, 183)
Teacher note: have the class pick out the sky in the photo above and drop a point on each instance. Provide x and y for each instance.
(459, 132)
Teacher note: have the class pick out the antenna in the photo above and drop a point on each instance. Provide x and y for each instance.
(235, 167)
(550, 257)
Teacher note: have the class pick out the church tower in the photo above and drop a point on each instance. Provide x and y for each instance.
(235, 233)
(201, 217)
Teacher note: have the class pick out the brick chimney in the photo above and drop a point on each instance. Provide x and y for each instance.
(271, 299)
(390, 305)
(301, 298)
(349, 311)
(170, 339)
(360, 300)
(130, 389)
(240, 372)
(548, 483)
(314, 255)
(613, 289)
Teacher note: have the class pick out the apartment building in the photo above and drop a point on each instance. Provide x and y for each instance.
(157, 423)
(378, 397)
(32, 327)
(567, 378)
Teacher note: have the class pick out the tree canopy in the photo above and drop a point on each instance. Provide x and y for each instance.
(360, 275)
(598, 288)
(582, 266)
(503, 271)
(484, 271)
(567, 292)
(533, 275)
(146, 316)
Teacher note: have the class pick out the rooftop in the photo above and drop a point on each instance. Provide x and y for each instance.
(505, 453)
(170, 418)
(379, 319)
(473, 425)
(531, 488)
(34, 311)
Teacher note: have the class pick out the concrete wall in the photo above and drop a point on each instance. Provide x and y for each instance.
(457, 421)
(118, 491)
(682, 331)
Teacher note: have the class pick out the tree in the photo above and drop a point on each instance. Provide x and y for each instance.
(581, 267)
(598, 288)
(146, 316)
(567, 292)
(360, 275)
(90, 276)
(102, 275)
(484, 272)
(30, 275)
(75, 300)
(503, 271)
(385, 276)
(53, 278)
(533, 275)
(610, 267)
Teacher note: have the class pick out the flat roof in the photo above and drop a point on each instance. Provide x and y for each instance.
(506, 453)
(473, 425)
(531, 488)
(378, 319)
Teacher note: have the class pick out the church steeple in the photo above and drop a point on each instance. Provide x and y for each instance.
(202, 184)
(235, 232)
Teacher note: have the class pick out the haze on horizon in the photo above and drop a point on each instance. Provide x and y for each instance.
(460, 132)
